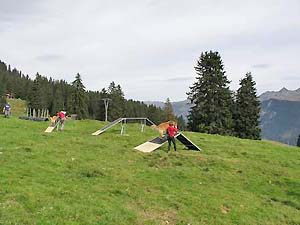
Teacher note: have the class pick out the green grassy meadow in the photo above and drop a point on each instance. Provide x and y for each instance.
(72, 177)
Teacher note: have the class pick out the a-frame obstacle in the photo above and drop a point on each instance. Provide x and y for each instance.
(157, 142)
(123, 122)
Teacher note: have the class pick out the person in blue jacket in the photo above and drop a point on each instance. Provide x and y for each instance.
(6, 110)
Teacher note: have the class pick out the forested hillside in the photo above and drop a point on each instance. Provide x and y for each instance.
(55, 95)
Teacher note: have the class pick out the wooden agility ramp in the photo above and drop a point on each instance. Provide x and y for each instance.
(157, 142)
(51, 128)
(98, 132)
(151, 145)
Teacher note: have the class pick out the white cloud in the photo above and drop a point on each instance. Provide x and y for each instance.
(134, 42)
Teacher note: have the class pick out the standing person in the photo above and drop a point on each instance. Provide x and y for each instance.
(171, 132)
(6, 110)
(62, 119)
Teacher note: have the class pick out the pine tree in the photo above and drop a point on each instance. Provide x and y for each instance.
(168, 109)
(2, 102)
(155, 114)
(78, 103)
(181, 123)
(210, 97)
(117, 105)
(57, 103)
(36, 100)
(246, 112)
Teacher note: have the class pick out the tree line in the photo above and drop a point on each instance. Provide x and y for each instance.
(55, 95)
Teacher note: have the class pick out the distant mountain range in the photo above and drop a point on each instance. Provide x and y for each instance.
(283, 94)
(181, 108)
(280, 114)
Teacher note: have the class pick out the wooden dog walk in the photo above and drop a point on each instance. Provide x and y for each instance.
(51, 128)
(157, 142)
(107, 127)
(123, 121)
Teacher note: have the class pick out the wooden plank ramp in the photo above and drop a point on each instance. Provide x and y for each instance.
(151, 145)
(98, 132)
(51, 128)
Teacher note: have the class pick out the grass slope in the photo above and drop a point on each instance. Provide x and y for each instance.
(73, 177)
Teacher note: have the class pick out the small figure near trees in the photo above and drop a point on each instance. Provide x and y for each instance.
(6, 110)
(298, 142)
(171, 132)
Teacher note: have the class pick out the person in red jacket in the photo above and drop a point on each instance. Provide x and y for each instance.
(62, 119)
(171, 132)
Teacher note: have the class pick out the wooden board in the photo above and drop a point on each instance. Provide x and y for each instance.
(148, 147)
(49, 129)
(97, 132)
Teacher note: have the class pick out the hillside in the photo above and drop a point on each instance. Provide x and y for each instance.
(73, 177)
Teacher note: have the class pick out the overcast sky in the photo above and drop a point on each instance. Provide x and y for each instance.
(150, 47)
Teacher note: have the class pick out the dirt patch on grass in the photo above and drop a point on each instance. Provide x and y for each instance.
(150, 215)
(163, 217)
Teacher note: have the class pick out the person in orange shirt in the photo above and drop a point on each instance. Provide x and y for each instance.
(171, 132)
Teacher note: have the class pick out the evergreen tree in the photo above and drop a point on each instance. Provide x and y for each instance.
(298, 142)
(78, 103)
(36, 96)
(181, 123)
(168, 109)
(57, 103)
(210, 97)
(246, 112)
(117, 104)
(2, 102)
(155, 114)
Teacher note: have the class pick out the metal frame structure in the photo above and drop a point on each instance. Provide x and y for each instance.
(123, 122)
